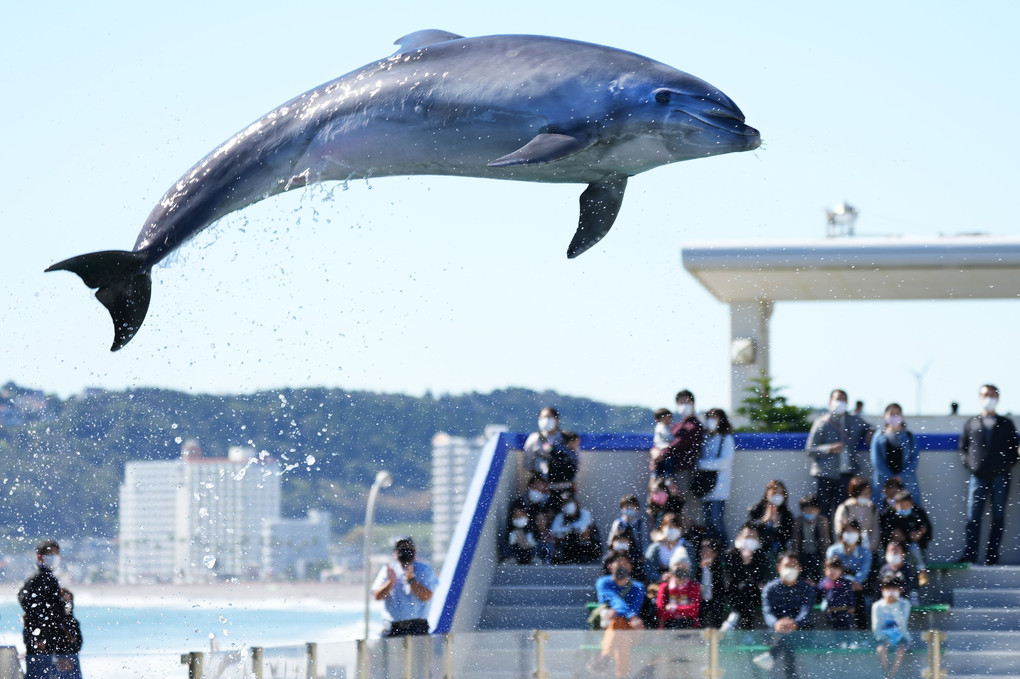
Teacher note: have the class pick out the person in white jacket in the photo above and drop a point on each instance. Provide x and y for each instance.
(716, 456)
(889, 624)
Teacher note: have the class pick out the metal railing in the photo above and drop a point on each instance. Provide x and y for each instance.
(573, 654)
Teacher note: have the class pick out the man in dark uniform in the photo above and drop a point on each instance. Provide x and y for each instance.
(988, 449)
(44, 613)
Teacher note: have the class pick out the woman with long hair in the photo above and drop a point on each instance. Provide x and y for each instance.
(716, 461)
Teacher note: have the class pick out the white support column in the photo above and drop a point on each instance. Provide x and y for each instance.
(749, 346)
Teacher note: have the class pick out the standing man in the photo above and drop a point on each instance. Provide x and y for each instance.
(406, 596)
(988, 449)
(833, 446)
(44, 613)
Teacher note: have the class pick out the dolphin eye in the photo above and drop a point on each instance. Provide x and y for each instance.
(662, 96)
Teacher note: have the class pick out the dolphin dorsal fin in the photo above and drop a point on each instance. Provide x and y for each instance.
(419, 39)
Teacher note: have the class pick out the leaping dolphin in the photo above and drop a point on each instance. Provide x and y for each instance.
(522, 107)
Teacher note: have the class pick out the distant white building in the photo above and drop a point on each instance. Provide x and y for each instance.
(291, 546)
(454, 459)
(197, 519)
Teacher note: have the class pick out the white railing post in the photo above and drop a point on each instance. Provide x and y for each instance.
(448, 655)
(311, 661)
(540, 637)
(364, 660)
(934, 639)
(256, 662)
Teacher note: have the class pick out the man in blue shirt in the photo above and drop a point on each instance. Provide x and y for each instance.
(405, 596)
(624, 598)
(786, 604)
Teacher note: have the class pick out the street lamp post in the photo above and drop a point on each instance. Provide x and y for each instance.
(382, 480)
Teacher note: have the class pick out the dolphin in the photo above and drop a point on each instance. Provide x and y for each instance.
(522, 107)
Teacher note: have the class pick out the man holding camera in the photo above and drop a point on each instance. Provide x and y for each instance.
(405, 596)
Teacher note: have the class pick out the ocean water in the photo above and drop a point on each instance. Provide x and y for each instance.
(146, 638)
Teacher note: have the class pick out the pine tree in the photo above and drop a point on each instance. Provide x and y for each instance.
(768, 411)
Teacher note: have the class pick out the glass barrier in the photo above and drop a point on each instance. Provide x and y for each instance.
(832, 654)
(649, 654)
(285, 662)
(337, 660)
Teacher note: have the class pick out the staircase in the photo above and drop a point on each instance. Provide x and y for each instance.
(983, 627)
(539, 597)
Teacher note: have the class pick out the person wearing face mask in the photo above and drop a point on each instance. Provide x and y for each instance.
(679, 598)
(43, 605)
(860, 507)
(988, 449)
(894, 452)
(539, 444)
(746, 570)
(896, 563)
(716, 461)
(662, 437)
(832, 445)
(577, 537)
(67, 663)
(630, 525)
(856, 560)
(669, 541)
(786, 604)
(521, 541)
(621, 598)
(908, 523)
(680, 457)
(811, 537)
(889, 624)
(774, 519)
(405, 596)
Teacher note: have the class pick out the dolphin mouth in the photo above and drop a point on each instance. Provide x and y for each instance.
(722, 119)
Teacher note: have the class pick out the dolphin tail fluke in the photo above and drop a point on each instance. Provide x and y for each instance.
(600, 203)
(121, 281)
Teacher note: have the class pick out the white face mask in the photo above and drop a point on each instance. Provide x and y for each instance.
(837, 407)
(989, 403)
(537, 496)
(51, 561)
(628, 514)
(621, 545)
(789, 574)
(546, 424)
(750, 544)
(570, 508)
(684, 410)
(521, 522)
(894, 559)
(712, 423)
(851, 537)
(893, 594)
(673, 534)
(894, 420)
(776, 499)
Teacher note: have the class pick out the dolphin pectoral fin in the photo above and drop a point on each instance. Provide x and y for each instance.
(545, 148)
(419, 39)
(122, 284)
(600, 203)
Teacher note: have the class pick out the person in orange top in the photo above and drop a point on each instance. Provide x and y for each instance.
(679, 598)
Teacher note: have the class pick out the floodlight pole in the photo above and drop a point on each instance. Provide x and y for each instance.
(382, 480)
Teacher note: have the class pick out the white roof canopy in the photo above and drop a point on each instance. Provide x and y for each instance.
(957, 267)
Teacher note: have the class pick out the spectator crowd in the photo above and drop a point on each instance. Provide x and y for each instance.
(855, 546)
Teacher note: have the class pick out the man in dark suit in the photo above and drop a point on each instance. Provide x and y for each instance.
(834, 448)
(988, 449)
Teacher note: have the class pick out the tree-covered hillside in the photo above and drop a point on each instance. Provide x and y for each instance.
(61, 461)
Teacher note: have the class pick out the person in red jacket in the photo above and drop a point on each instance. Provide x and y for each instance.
(679, 597)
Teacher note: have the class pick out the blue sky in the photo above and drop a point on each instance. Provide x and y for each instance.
(415, 283)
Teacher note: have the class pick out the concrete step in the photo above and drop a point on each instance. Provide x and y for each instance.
(528, 576)
(504, 595)
(981, 641)
(982, 619)
(986, 598)
(982, 663)
(984, 577)
(533, 617)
